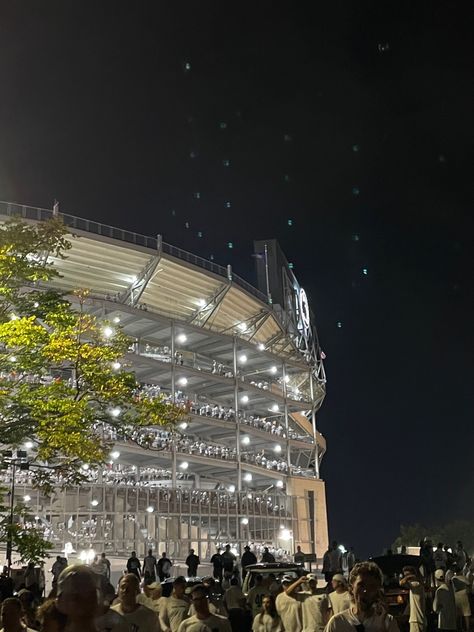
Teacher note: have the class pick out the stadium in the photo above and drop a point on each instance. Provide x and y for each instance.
(244, 466)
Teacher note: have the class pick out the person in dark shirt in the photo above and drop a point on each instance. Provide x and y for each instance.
(228, 559)
(192, 562)
(217, 565)
(164, 567)
(133, 565)
(247, 558)
(268, 557)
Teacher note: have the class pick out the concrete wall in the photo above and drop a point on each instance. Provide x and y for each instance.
(300, 487)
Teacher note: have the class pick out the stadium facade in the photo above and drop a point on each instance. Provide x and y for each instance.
(244, 466)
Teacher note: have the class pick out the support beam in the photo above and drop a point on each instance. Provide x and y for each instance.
(134, 292)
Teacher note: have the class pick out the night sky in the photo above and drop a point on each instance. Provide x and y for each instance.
(226, 120)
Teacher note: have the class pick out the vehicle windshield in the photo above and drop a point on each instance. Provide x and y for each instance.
(269, 577)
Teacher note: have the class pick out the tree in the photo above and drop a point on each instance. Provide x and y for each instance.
(450, 533)
(62, 377)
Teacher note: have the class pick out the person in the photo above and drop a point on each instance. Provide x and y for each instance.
(106, 568)
(440, 558)
(217, 565)
(444, 604)
(255, 596)
(192, 562)
(163, 567)
(77, 598)
(339, 599)
(149, 568)
(138, 617)
(11, 615)
(51, 619)
(299, 556)
(175, 609)
(6, 584)
(203, 620)
(133, 565)
(41, 580)
(97, 565)
(335, 559)
(460, 555)
(228, 560)
(366, 611)
(151, 598)
(426, 554)
(267, 557)
(31, 580)
(351, 559)
(57, 568)
(314, 607)
(27, 600)
(461, 586)
(247, 559)
(234, 602)
(268, 619)
(410, 580)
(108, 620)
(288, 604)
(326, 570)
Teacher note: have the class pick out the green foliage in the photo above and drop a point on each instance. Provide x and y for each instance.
(450, 533)
(61, 369)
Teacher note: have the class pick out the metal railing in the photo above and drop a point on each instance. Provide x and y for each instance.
(11, 209)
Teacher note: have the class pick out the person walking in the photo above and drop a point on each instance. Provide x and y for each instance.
(138, 617)
(78, 598)
(57, 568)
(366, 611)
(106, 566)
(149, 568)
(268, 619)
(228, 560)
(335, 559)
(339, 599)
(175, 609)
(133, 565)
(444, 604)
(461, 586)
(255, 596)
(192, 562)
(410, 580)
(314, 607)
(247, 559)
(288, 604)
(164, 567)
(234, 602)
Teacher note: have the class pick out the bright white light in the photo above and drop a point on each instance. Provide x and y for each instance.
(242, 327)
(115, 412)
(287, 379)
(87, 556)
(234, 551)
(182, 381)
(273, 370)
(231, 489)
(134, 279)
(94, 502)
(244, 399)
(285, 535)
(27, 498)
(201, 302)
(184, 465)
(277, 448)
(85, 466)
(181, 338)
(243, 358)
(183, 425)
(115, 454)
(248, 477)
(13, 316)
(150, 509)
(29, 445)
(249, 496)
(342, 548)
(279, 484)
(116, 319)
(12, 358)
(275, 408)
(116, 366)
(244, 521)
(36, 304)
(245, 440)
(107, 332)
(261, 346)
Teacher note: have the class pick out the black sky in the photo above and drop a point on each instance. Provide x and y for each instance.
(98, 110)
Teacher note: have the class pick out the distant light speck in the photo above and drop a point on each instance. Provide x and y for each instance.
(355, 191)
(355, 148)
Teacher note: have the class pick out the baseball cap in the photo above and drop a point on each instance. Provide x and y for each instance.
(439, 574)
(154, 585)
(339, 578)
(312, 576)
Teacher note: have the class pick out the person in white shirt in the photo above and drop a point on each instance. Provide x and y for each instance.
(175, 609)
(411, 581)
(267, 620)
(461, 586)
(365, 588)
(139, 618)
(109, 620)
(314, 607)
(340, 598)
(11, 615)
(255, 596)
(444, 603)
(203, 620)
(288, 604)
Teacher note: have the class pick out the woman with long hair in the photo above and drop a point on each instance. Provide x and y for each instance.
(268, 620)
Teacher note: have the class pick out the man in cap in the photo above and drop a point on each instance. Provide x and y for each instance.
(339, 599)
(314, 607)
(444, 603)
(366, 611)
(288, 604)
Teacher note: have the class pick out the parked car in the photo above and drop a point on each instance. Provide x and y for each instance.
(279, 569)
